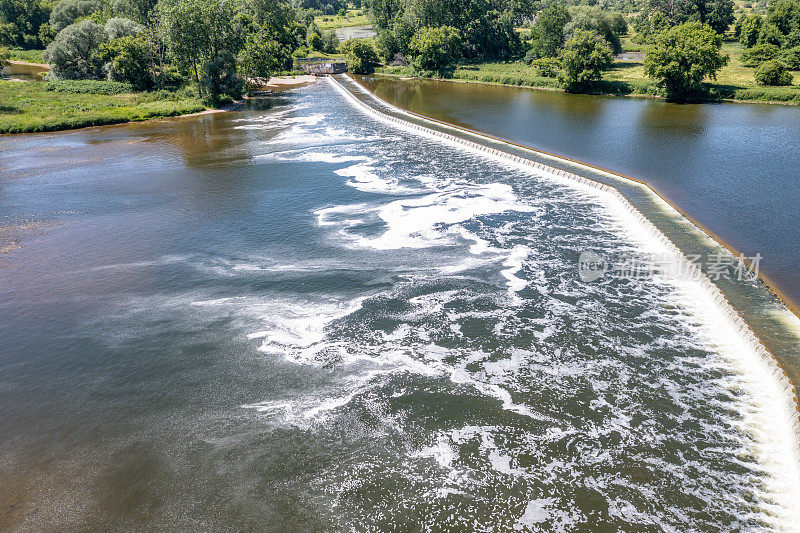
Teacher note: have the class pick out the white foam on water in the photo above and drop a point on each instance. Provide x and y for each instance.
(771, 416)
(364, 178)
(536, 512)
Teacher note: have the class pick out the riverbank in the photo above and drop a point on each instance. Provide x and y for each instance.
(734, 83)
(29, 107)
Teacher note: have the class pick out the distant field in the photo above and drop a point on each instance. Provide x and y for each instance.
(32, 56)
(354, 17)
(30, 107)
(626, 77)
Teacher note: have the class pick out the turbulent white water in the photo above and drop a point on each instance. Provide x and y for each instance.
(481, 384)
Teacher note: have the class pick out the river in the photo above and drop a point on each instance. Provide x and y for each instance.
(302, 318)
(733, 168)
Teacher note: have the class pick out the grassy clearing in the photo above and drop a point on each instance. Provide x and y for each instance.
(354, 17)
(29, 107)
(31, 56)
(626, 77)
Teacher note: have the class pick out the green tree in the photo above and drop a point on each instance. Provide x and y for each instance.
(773, 73)
(750, 30)
(203, 33)
(586, 54)
(330, 43)
(547, 34)
(792, 58)
(121, 27)
(592, 18)
(20, 21)
(264, 56)
(360, 56)
(435, 49)
(128, 60)
(785, 15)
(683, 57)
(68, 11)
(75, 52)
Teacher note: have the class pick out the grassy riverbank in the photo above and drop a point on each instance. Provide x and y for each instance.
(33, 106)
(626, 78)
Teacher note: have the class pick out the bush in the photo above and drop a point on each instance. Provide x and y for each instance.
(752, 57)
(792, 58)
(121, 27)
(360, 56)
(75, 52)
(66, 12)
(585, 56)
(88, 87)
(773, 73)
(547, 67)
(435, 49)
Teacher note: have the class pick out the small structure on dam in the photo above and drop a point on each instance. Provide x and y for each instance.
(322, 66)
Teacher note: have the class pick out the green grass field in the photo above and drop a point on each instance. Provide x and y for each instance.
(31, 56)
(354, 17)
(29, 107)
(626, 77)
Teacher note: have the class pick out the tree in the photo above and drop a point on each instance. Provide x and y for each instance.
(264, 56)
(435, 49)
(785, 15)
(773, 73)
(75, 52)
(586, 54)
(719, 15)
(220, 78)
(360, 56)
(330, 43)
(68, 11)
(683, 57)
(204, 33)
(5, 55)
(592, 18)
(750, 30)
(128, 60)
(791, 58)
(121, 27)
(20, 21)
(547, 34)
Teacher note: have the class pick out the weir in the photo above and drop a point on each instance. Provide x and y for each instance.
(765, 325)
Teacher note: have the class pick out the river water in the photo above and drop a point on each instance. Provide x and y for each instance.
(734, 168)
(301, 318)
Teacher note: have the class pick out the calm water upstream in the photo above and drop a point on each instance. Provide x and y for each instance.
(734, 168)
(302, 319)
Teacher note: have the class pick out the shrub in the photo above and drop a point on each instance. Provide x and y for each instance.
(773, 73)
(585, 56)
(546, 66)
(88, 87)
(360, 56)
(66, 12)
(752, 57)
(435, 49)
(75, 52)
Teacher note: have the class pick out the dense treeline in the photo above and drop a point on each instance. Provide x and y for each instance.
(212, 45)
(215, 45)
